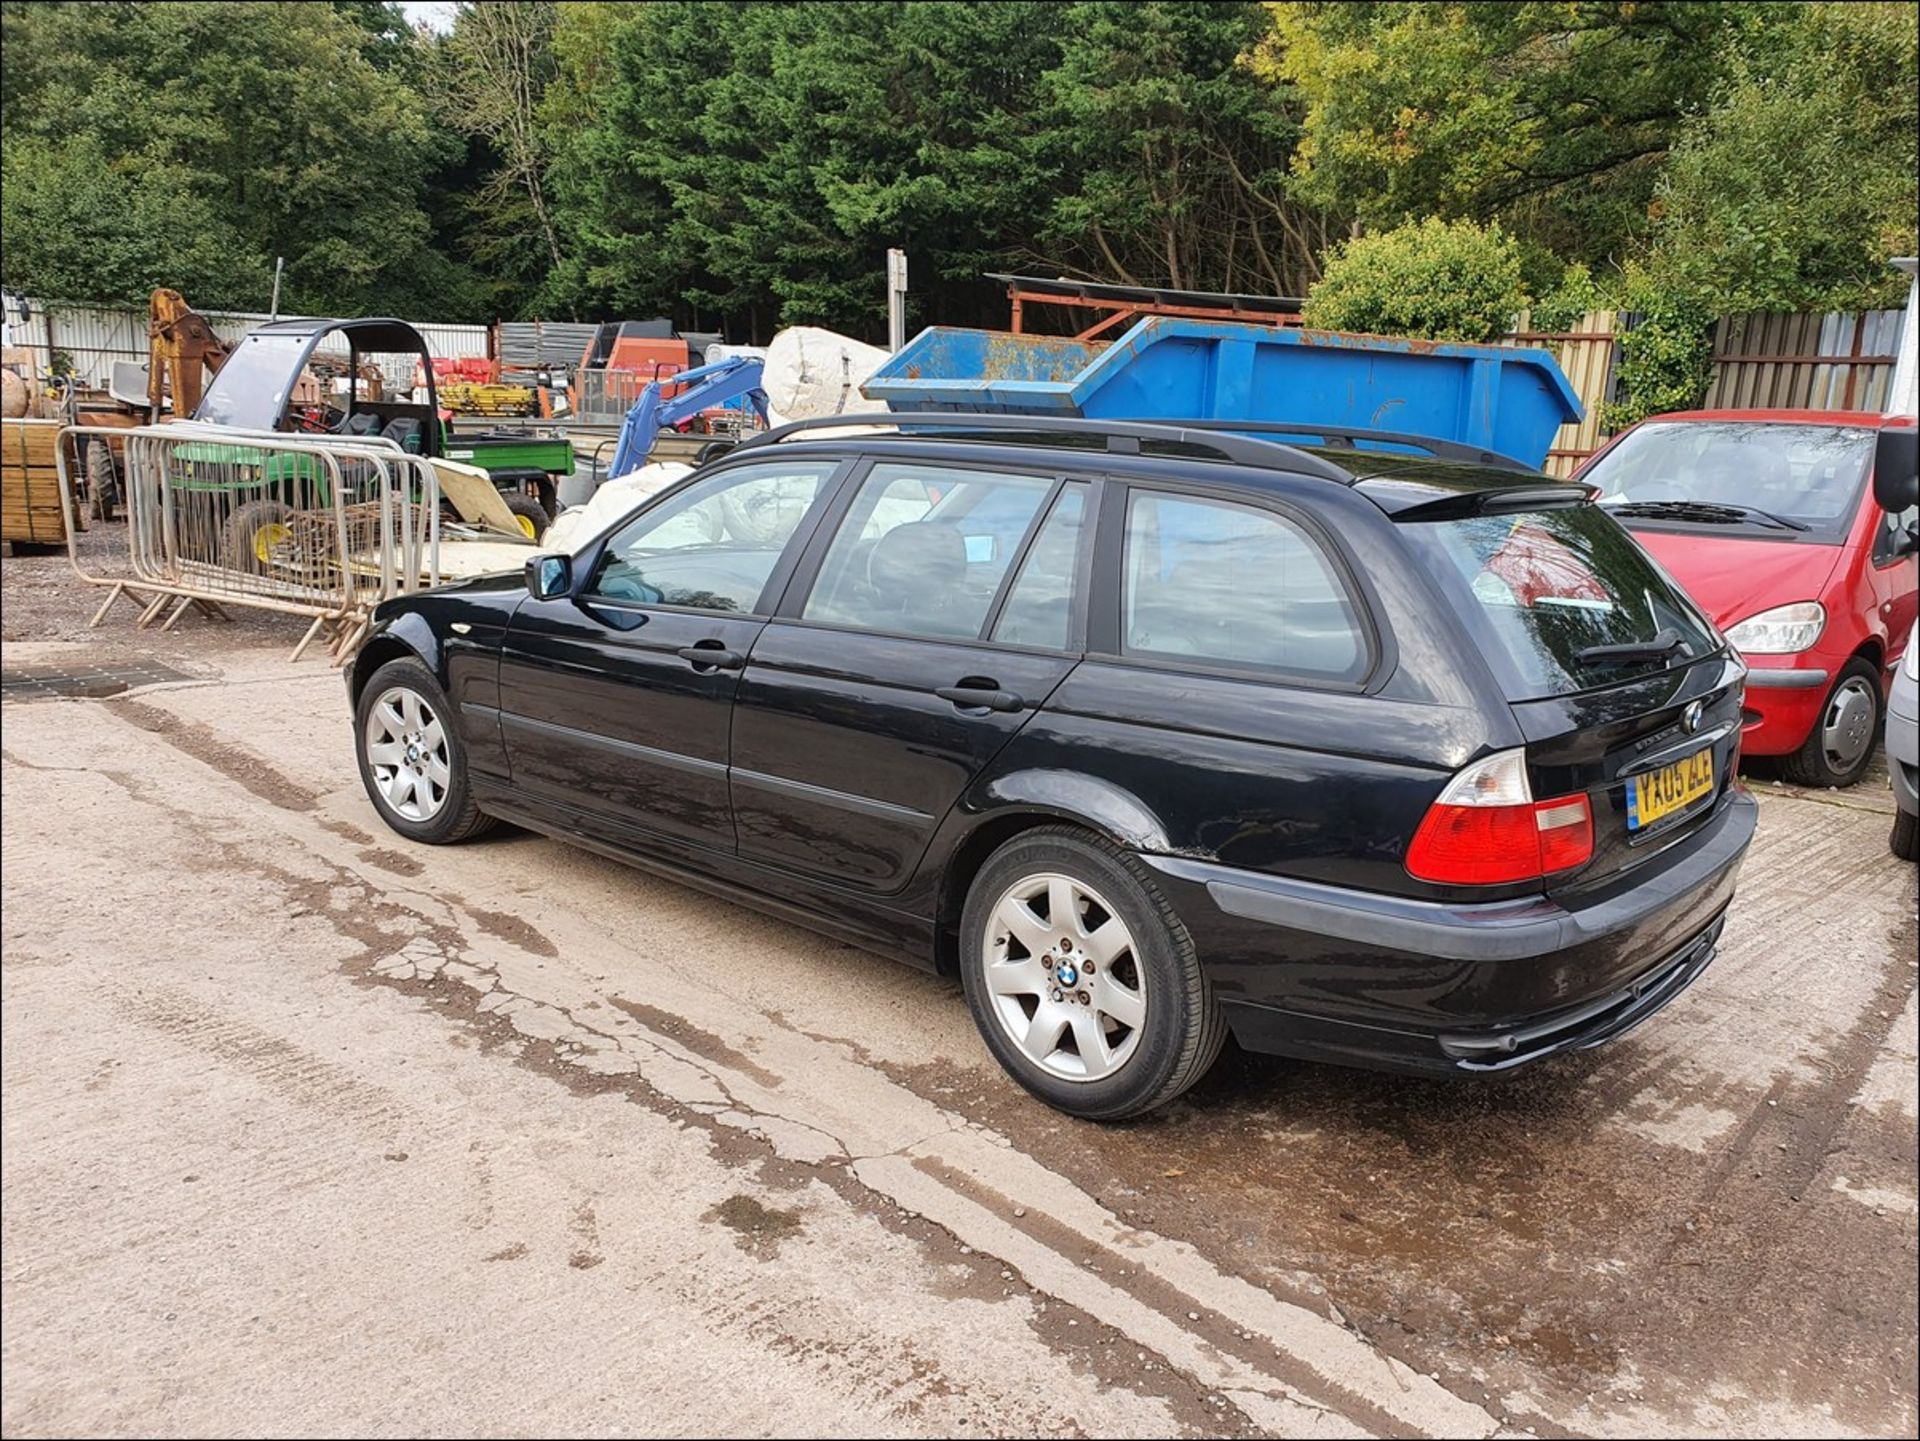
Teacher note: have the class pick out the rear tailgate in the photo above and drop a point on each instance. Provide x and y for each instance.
(1655, 756)
(1624, 691)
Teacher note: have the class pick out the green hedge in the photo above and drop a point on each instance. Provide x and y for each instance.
(1436, 280)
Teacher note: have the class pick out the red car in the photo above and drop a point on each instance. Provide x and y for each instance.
(1768, 519)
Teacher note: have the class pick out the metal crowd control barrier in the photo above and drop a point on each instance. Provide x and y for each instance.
(310, 526)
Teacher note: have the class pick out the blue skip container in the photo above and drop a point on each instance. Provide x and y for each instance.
(1170, 368)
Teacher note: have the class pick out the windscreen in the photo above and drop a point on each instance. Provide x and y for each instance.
(1748, 474)
(250, 390)
(1561, 599)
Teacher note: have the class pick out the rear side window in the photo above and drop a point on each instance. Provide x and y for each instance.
(1234, 585)
(1039, 608)
(1542, 589)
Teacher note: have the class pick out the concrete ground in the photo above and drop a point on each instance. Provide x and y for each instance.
(312, 1130)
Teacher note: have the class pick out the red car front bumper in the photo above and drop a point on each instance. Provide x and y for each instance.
(1785, 697)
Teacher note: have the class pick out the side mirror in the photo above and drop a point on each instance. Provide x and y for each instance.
(1896, 469)
(549, 576)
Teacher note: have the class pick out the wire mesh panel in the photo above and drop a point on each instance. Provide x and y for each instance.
(607, 395)
(308, 526)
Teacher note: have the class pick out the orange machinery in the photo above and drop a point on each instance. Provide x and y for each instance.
(622, 359)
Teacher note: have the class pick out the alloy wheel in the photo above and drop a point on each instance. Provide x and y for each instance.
(406, 749)
(1062, 977)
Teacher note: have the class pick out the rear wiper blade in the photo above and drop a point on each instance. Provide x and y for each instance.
(1664, 644)
(1709, 511)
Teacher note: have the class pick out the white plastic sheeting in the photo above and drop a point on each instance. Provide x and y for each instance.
(1903, 391)
(578, 524)
(813, 372)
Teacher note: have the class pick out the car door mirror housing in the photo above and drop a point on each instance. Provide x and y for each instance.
(549, 576)
(1896, 468)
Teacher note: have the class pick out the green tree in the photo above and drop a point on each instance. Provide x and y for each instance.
(1437, 280)
(757, 161)
(1553, 118)
(1171, 157)
(488, 80)
(188, 144)
(1795, 186)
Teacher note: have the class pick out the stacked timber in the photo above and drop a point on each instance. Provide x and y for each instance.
(30, 483)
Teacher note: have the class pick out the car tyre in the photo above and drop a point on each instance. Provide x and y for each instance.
(1905, 840)
(1840, 746)
(412, 761)
(1156, 979)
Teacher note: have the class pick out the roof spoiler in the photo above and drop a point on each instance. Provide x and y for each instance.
(1423, 500)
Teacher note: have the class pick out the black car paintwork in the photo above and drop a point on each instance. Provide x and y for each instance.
(844, 757)
(599, 710)
(860, 801)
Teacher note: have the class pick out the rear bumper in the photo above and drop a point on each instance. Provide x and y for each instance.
(1389, 983)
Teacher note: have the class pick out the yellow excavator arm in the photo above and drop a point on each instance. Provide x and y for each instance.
(181, 350)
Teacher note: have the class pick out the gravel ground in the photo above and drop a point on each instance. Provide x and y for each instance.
(42, 599)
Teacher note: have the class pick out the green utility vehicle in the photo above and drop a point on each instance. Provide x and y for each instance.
(277, 379)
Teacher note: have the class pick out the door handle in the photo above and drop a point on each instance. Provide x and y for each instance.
(712, 655)
(981, 697)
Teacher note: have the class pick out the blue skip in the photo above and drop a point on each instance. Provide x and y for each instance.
(1510, 401)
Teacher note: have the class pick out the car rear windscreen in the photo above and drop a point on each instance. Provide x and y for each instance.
(1560, 599)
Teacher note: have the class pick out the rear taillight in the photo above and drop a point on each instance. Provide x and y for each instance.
(1486, 829)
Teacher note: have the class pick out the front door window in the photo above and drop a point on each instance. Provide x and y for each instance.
(714, 545)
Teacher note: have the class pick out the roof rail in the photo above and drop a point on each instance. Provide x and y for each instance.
(1341, 437)
(1123, 437)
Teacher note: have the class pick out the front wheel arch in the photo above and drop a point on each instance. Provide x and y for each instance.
(375, 653)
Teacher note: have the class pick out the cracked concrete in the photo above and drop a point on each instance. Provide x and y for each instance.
(213, 972)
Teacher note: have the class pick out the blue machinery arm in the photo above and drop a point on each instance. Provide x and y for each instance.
(701, 388)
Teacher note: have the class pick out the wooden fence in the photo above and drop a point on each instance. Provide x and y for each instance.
(1587, 354)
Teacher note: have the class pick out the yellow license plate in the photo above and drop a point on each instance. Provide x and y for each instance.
(1669, 789)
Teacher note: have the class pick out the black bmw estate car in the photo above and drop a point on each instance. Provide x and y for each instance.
(1372, 750)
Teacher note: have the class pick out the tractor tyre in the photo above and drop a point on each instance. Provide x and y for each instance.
(103, 485)
(530, 513)
(253, 532)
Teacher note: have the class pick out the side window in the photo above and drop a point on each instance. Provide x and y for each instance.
(1232, 584)
(923, 549)
(712, 546)
(1039, 607)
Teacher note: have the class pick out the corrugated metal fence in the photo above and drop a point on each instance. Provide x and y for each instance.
(537, 344)
(1804, 362)
(93, 337)
(1837, 361)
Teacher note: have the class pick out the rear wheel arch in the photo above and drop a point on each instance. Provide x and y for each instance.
(972, 852)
